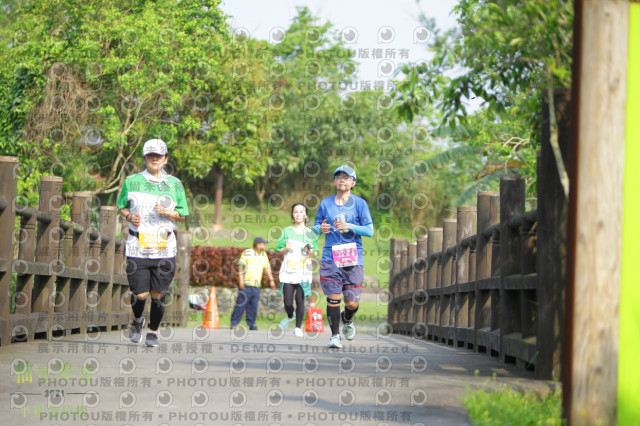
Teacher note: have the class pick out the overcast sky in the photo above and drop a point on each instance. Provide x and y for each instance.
(384, 34)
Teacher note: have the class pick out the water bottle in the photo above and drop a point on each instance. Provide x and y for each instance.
(341, 218)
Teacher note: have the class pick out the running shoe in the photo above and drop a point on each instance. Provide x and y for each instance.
(297, 332)
(335, 341)
(152, 340)
(286, 321)
(349, 328)
(135, 332)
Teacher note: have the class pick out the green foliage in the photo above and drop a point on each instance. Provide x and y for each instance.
(506, 53)
(502, 405)
(308, 70)
(91, 81)
(82, 85)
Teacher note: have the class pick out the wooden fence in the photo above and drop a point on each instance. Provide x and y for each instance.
(493, 279)
(69, 278)
(472, 289)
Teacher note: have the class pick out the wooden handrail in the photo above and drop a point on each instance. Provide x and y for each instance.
(461, 305)
(82, 267)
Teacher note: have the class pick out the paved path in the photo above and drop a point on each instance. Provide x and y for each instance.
(261, 377)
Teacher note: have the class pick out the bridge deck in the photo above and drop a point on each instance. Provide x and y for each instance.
(249, 378)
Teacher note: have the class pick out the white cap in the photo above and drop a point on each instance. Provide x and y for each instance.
(154, 146)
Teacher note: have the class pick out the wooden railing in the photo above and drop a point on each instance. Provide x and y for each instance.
(473, 289)
(493, 279)
(69, 278)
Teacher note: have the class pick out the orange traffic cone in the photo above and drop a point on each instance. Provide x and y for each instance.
(211, 319)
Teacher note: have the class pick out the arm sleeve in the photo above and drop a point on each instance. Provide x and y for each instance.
(320, 216)
(362, 230)
(123, 199)
(365, 214)
(282, 240)
(181, 200)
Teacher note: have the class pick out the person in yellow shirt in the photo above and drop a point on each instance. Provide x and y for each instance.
(253, 262)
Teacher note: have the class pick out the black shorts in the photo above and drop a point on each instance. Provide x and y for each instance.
(150, 274)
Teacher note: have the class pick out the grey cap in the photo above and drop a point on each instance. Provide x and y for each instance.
(348, 170)
(258, 240)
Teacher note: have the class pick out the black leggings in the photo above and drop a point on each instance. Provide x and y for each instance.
(288, 292)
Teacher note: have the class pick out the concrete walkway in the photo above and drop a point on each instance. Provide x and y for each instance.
(261, 377)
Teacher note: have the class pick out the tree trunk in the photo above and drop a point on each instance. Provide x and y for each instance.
(261, 186)
(219, 174)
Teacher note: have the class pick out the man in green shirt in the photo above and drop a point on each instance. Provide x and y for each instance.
(152, 202)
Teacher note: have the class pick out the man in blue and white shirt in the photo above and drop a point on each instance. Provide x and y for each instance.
(344, 218)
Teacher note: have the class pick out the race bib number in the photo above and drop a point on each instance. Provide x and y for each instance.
(295, 265)
(345, 254)
(153, 241)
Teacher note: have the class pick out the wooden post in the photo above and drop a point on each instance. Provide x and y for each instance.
(48, 236)
(80, 214)
(420, 299)
(119, 313)
(439, 299)
(183, 274)
(63, 283)
(528, 299)
(466, 227)
(8, 192)
(393, 274)
(488, 214)
(400, 246)
(108, 222)
(94, 319)
(552, 239)
(495, 294)
(448, 240)
(434, 244)
(511, 204)
(595, 231)
(412, 250)
(472, 295)
(25, 281)
(472, 269)
(404, 263)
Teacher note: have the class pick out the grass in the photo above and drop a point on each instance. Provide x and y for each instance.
(241, 227)
(502, 405)
(369, 315)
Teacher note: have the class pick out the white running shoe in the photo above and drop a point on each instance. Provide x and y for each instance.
(335, 341)
(297, 332)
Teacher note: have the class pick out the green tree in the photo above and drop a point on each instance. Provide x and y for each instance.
(309, 69)
(230, 134)
(90, 81)
(507, 53)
